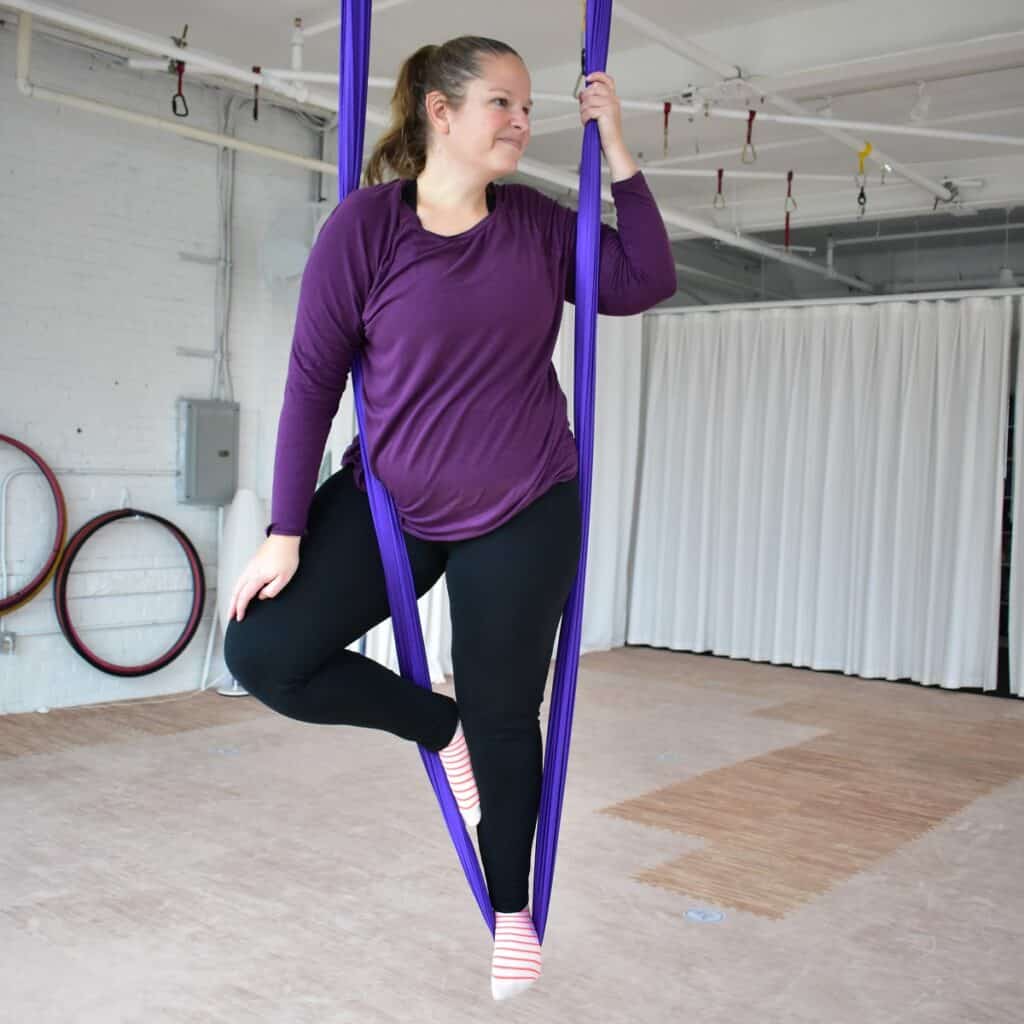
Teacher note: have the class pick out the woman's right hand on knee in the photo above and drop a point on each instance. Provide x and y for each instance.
(267, 573)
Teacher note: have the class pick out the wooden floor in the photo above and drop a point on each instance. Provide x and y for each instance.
(739, 843)
(890, 763)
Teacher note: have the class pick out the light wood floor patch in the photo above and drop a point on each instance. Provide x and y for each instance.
(784, 827)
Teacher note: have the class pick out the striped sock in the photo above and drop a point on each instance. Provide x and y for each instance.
(516, 962)
(459, 770)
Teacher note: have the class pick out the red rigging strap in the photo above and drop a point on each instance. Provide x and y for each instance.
(790, 204)
(61, 597)
(21, 597)
(719, 202)
(178, 102)
(352, 91)
(749, 146)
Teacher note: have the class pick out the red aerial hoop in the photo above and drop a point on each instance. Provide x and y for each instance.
(60, 582)
(27, 592)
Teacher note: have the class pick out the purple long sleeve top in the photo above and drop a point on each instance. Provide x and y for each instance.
(467, 423)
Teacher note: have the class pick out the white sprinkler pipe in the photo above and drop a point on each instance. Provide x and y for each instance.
(818, 122)
(693, 109)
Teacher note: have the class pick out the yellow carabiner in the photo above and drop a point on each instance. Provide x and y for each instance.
(864, 154)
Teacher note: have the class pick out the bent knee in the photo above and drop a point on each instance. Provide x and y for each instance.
(247, 658)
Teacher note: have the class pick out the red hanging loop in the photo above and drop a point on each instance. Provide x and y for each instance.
(749, 147)
(179, 105)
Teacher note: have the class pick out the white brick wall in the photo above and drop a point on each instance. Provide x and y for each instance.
(95, 299)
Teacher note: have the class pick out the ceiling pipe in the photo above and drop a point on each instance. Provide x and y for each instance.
(914, 235)
(806, 119)
(657, 106)
(897, 287)
(691, 51)
(912, 65)
(326, 77)
(332, 23)
(731, 152)
(808, 220)
(711, 172)
(853, 300)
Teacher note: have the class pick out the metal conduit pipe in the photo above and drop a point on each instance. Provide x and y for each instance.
(331, 23)
(805, 119)
(852, 300)
(710, 172)
(913, 235)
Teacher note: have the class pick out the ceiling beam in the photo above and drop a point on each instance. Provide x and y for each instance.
(891, 70)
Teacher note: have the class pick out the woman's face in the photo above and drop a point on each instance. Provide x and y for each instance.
(492, 128)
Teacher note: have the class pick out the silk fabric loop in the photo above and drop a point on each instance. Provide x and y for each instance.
(412, 658)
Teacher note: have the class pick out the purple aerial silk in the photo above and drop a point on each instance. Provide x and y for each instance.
(412, 656)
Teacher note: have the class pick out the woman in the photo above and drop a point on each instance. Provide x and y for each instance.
(451, 289)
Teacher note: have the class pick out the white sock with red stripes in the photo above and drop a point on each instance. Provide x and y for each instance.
(459, 770)
(515, 965)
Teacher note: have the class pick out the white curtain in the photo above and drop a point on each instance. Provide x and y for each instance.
(616, 434)
(1016, 610)
(822, 487)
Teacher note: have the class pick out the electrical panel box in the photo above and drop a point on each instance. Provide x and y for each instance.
(207, 451)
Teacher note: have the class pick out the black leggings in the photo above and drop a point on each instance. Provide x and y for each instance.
(506, 589)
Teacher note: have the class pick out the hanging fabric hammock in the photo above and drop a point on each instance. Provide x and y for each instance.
(412, 658)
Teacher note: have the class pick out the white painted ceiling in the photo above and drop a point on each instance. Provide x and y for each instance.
(801, 49)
